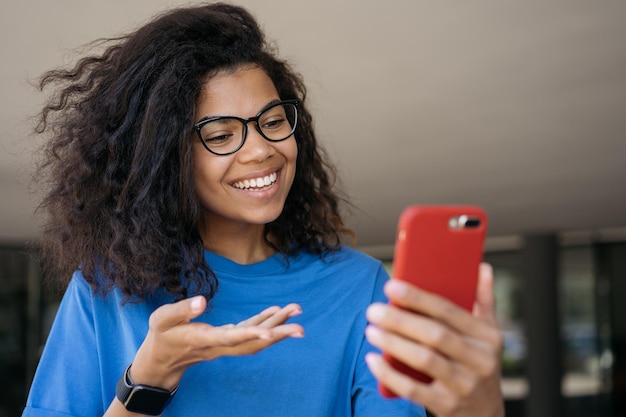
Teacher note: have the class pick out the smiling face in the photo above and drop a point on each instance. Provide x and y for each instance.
(247, 188)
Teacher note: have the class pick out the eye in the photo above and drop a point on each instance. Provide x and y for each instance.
(220, 131)
(273, 118)
(273, 124)
(218, 138)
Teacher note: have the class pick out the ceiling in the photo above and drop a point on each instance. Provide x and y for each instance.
(519, 107)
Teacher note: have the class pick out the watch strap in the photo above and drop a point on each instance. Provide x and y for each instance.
(143, 399)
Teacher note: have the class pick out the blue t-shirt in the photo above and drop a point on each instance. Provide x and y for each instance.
(321, 375)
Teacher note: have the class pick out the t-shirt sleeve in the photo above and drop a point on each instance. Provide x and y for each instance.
(68, 372)
(366, 400)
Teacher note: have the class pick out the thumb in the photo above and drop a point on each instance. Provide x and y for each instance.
(170, 315)
(485, 305)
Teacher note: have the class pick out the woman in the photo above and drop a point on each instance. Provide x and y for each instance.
(184, 157)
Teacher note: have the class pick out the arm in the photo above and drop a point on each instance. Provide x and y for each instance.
(461, 351)
(174, 343)
(89, 344)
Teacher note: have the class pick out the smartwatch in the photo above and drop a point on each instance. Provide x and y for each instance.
(142, 399)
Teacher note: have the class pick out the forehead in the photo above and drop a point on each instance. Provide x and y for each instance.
(240, 92)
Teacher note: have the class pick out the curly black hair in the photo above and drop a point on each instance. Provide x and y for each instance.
(118, 167)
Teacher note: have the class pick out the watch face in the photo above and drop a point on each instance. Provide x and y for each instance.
(147, 401)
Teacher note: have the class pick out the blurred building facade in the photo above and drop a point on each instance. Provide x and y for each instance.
(577, 370)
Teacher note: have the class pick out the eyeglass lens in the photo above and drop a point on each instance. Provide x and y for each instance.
(225, 135)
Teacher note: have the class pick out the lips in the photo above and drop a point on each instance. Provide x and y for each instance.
(259, 183)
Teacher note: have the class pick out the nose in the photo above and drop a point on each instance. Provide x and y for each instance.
(255, 147)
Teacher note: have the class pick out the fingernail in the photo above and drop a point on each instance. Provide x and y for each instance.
(196, 304)
(372, 333)
(295, 313)
(372, 360)
(375, 312)
(395, 288)
(298, 335)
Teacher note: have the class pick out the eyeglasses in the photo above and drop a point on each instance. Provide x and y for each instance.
(225, 135)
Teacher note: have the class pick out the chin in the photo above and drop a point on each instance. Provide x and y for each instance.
(264, 220)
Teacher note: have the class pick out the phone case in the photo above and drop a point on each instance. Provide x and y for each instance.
(438, 249)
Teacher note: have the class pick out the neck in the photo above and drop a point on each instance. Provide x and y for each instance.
(241, 243)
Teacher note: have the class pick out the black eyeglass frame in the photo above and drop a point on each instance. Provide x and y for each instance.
(198, 126)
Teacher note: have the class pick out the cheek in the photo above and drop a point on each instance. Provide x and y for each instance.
(198, 168)
(291, 151)
(291, 155)
(206, 170)
(295, 155)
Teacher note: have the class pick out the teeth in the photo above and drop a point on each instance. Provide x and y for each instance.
(256, 182)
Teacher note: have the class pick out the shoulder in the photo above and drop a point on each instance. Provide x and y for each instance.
(85, 295)
(78, 287)
(81, 296)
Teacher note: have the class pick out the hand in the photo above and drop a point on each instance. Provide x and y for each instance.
(174, 343)
(459, 350)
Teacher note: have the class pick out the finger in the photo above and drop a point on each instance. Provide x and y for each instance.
(439, 308)
(410, 353)
(287, 330)
(228, 335)
(433, 334)
(281, 316)
(170, 315)
(415, 327)
(259, 318)
(399, 383)
(457, 378)
(485, 305)
(434, 396)
(277, 334)
(239, 347)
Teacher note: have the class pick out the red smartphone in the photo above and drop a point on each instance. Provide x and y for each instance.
(438, 249)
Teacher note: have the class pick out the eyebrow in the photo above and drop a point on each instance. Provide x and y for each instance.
(216, 116)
